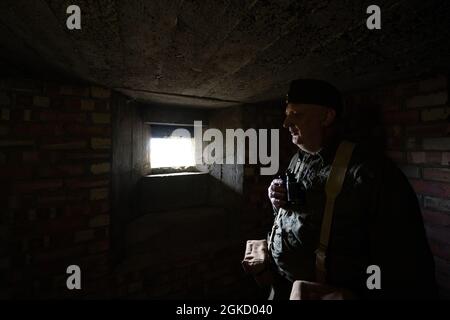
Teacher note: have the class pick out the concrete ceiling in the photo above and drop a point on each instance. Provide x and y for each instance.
(217, 53)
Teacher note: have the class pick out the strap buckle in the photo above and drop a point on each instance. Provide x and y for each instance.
(321, 271)
(321, 257)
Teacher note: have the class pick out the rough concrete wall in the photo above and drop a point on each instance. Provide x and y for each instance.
(182, 242)
(55, 188)
(229, 174)
(227, 183)
(241, 51)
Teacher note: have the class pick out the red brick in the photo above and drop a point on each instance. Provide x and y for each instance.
(437, 174)
(37, 129)
(61, 170)
(428, 100)
(87, 155)
(15, 171)
(100, 92)
(74, 90)
(438, 233)
(436, 157)
(65, 224)
(49, 115)
(72, 117)
(431, 188)
(411, 171)
(101, 118)
(55, 255)
(100, 168)
(32, 186)
(88, 131)
(56, 102)
(77, 209)
(406, 89)
(102, 105)
(4, 130)
(5, 99)
(68, 145)
(435, 114)
(389, 100)
(84, 235)
(14, 157)
(58, 225)
(82, 183)
(435, 130)
(442, 266)
(16, 115)
(421, 157)
(439, 204)
(51, 89)
(51, 157)
(51, 201)
(443, 282)
(5, 114)
(99, 221)
(100, 207)
(445, 159)
(17, 143)
(401, 117)
(437, 143)
(89, 208)
(436, 217)
(30, 156)
(59, 200)
(99, 194)
(101, 143)
(72, 104)
(52, 116)
(40, 101)
(24, 101)
(99, 246)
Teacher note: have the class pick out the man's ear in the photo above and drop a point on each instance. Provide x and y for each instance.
(330, 115)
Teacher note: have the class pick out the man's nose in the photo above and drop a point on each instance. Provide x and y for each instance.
(286, 123)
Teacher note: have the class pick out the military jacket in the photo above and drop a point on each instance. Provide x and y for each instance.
(376, 221)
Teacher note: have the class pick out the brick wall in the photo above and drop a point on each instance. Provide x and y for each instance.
(55, 172)
(55, 162)
(414, 120)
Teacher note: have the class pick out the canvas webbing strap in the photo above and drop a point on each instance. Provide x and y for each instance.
(332, 189)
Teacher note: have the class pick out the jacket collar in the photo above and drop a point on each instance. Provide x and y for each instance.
(327, 152)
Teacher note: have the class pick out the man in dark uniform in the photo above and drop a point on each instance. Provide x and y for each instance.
(377, 219)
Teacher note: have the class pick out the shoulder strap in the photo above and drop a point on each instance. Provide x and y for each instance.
(332, 189)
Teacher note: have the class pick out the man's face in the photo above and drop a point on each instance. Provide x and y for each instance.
(306, 124)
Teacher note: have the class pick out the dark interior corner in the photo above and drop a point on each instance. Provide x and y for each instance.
(76, 183)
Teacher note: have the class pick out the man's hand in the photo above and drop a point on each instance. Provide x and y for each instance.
(277, 193)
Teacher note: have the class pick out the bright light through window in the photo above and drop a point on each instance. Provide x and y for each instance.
(172, 152)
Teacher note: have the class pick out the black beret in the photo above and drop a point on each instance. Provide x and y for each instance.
(311, 91)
